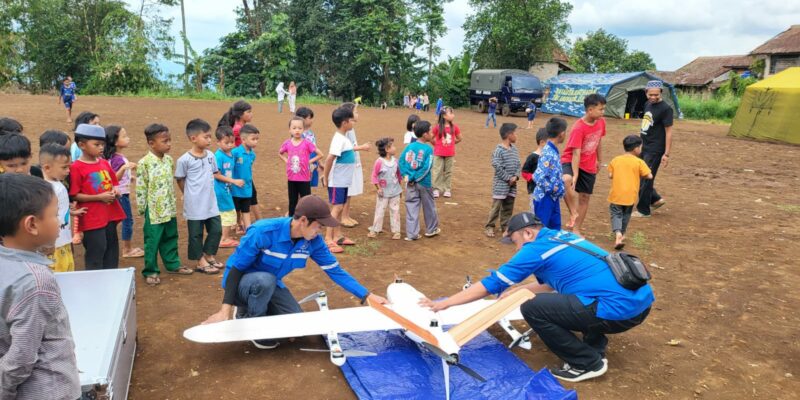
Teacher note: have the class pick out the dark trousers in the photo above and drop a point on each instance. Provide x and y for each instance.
(620, 216)
(296, 192)
(501, 210)
(647, 189)
(555, 316)
(102, 247)
(197, 247)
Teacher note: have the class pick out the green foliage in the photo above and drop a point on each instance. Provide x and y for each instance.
(430, 17)
(757, 67)
(178, 94)
(735, 85)
(276, 50)
(515, 33)
(450, 80)
(604, 52)
(715, 108)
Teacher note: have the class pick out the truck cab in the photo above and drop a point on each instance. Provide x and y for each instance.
(513, 88)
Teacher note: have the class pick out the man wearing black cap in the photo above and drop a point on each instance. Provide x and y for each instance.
(270, 250)
(574, 292)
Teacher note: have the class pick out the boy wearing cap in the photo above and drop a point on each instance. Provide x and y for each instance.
(92, 183)
(575, 292)
(657, 141)
(270, 250)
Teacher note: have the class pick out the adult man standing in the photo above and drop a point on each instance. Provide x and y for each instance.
(270, 250)
(657, 137)
(575, 291)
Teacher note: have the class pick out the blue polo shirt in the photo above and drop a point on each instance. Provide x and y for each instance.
(571, 271)
(243, 169)
(267, 246)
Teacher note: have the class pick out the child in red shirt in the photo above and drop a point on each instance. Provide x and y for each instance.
(445, 137)
(581, 159)
(92, 183)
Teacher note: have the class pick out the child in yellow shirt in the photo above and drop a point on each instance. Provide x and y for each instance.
(625, 172)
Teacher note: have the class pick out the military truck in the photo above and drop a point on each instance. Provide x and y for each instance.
(514, 89)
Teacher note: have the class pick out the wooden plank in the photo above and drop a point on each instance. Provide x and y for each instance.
(405, 323)
(474, 325)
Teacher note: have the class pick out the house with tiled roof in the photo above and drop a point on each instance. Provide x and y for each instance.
(546, 69)
(705, 74)
(780, 52)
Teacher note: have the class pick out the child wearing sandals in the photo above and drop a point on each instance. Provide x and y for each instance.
(117, 139)
(339, 166)
(155, 198)
(195, 173)
(386, 178)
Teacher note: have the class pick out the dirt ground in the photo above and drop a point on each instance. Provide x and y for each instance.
(723, 252)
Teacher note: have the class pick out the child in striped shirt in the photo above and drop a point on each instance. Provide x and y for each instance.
(505, 161)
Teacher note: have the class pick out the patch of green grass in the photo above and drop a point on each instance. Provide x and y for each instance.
(792, 208)
(715, 108)
(212, 95)
(363, 249)
(639, 240)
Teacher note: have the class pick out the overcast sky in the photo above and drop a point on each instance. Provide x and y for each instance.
(673, 32)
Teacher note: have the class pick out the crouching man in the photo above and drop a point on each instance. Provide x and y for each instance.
(575, 292)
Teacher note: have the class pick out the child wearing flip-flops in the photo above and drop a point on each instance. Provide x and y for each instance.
(155, 198)
(339, 166)
(117, 140)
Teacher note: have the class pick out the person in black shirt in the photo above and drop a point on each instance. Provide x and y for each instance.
(657, 141)
(533, 161)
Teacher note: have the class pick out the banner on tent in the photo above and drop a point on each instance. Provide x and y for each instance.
(568, 99)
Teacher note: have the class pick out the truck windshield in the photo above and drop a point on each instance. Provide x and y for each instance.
(525, 84)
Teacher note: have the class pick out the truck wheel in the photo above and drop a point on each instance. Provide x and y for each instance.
(506, 110)
(481, 107)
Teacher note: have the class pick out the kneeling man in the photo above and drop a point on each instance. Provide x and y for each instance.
(575, 291)
(270, 250)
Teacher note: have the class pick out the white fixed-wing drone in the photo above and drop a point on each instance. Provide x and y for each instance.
(419, 324)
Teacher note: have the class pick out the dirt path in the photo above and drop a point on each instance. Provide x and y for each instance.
(724, 247)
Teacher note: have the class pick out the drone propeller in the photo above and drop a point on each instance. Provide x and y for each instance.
(452, 359)
(467, 284)
(523, 338)
(313, 296)
(347, 353)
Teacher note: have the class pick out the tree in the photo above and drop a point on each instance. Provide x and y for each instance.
(601, 51)
(450, 80)
(515, 33)
(277, 51)
(430, 17)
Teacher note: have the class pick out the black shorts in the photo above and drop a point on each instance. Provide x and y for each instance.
(242, 204)
(585, 182)
(254, 199)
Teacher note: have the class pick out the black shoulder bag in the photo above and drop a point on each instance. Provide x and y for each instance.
(628, 270)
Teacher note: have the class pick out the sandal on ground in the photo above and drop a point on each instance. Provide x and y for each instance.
(619, 246)
(349, 223)
(230, 243)
(152, 280)
(489, 232)
(206, 269)
(345, 241)
(334, 248)
(214, 263)
(181, 271)
(134, 253)
(434, 233)
(396, 236)
(372, 234)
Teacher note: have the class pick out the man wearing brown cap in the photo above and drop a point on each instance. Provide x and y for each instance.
(270, 250)
(575, 292)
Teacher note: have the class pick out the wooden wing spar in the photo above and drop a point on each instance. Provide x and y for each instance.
(421, 332)
(479, 322)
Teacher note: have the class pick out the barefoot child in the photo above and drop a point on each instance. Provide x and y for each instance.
(548, 177)
(92, 185)
(117, 140)
(67, 96)
(37, 352)
(505, 161)
(244, 156)
(415, 168)
(386, 178)
(195, 173)
(625, 172)
(155, 198)
(296, 153)
(356, 188)
(446, 135)
(339, 166)
(222, 187)
(55, 161)
(582, 158)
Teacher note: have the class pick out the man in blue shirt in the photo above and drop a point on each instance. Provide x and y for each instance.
(270, 250)
(574, 292)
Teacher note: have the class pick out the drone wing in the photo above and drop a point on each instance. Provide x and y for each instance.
(356, 319)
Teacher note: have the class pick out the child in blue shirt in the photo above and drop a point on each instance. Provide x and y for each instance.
(244, 156)
(548, 177)
(415, 167)
(67, 96)
(222, 187)
(492, 110)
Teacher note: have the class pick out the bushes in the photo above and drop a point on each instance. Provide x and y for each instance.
(722, 108)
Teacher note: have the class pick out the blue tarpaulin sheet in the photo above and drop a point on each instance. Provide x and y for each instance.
(404, 370)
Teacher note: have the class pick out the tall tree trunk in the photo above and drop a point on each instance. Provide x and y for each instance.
(185, 50)
(430, 60)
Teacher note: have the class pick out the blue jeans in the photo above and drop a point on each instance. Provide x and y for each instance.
(492, 117)
(259, 295)
(127, 223)
(549, 211)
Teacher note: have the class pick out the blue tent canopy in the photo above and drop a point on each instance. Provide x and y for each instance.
(624, 93)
